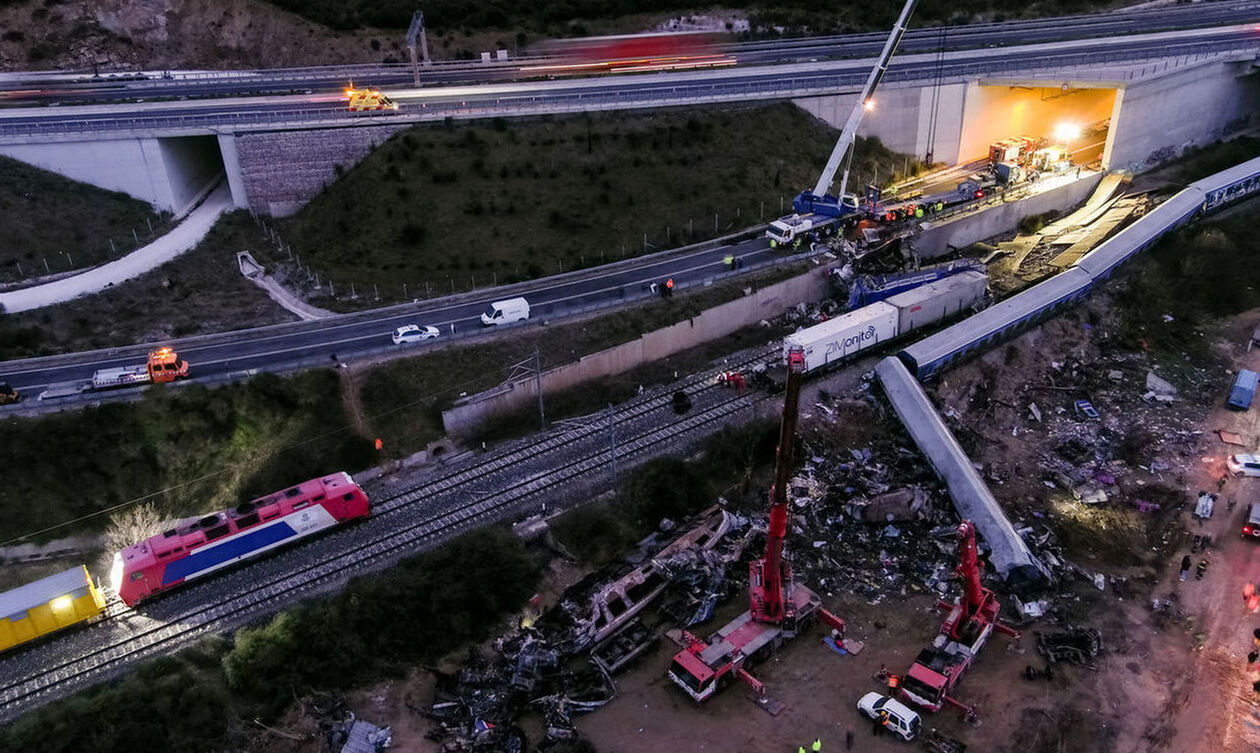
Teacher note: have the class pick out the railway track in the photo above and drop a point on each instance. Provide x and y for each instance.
(410, 529)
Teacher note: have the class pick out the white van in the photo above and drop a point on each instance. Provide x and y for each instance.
(506, 312)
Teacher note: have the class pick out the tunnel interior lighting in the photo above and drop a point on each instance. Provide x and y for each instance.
(1067, 131)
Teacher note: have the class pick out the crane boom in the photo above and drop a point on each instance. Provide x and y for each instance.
(818, 200)
(969, 568)
(766, 591)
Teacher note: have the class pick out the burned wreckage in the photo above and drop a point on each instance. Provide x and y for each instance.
(563, 663)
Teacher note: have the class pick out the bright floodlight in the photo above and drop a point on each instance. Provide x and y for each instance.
(1067, 131)
(868, 104)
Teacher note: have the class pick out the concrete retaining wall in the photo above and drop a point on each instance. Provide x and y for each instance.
(471, 412)
(1156, 119)
(938, 238)
(901, 118)
(282, 170)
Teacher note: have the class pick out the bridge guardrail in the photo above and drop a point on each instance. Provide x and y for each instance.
(664, 95)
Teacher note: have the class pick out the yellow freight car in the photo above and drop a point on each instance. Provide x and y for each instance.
(45, 606)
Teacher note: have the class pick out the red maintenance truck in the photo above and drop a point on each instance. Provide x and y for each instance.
(779, 608)
(931, 680)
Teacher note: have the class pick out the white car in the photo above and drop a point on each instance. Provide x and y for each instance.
(1244, 465)
(902, 721)
(414, 333)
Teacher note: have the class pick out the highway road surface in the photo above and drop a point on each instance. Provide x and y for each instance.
(273, 348)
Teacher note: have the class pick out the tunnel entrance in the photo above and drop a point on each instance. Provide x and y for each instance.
(1076, 120)
(192, 166)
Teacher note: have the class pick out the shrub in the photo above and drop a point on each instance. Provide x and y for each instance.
(419, 610)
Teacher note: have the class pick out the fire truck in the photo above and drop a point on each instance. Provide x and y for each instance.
(1016, 151)
(932, 679)
(779, 607)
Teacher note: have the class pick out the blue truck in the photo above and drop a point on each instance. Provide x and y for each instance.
(1243, 391)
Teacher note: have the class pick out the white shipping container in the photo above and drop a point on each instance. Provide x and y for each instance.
(840, 337)
(937, 300)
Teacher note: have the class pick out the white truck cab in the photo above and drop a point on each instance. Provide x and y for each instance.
(506, 312)
(792, 229)
(787, 230)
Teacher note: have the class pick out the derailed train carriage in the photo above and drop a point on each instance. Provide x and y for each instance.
(927, 357)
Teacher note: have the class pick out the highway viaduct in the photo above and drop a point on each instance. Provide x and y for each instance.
(1159, 93)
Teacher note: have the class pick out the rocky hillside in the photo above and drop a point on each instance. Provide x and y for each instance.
(157, 34)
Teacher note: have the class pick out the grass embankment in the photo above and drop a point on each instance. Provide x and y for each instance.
(1196, 275)
(1204, 161)
(205, 449)
(206, 698)
(43, 216)
(200, 292)
(509, 201)
(404, 399)
(209, 448)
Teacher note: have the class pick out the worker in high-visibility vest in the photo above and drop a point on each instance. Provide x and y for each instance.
(817, 746)
(729, 261)
(669, 287)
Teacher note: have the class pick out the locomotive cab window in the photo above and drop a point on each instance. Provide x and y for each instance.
(348, 498)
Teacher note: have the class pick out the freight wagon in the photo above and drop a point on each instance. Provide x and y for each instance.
(46, 606)
(836, 339)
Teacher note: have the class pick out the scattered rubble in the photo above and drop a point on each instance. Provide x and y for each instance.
(563, 664)
(1077, 645)
(342, 731)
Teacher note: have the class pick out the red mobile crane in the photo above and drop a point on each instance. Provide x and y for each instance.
(779, 608)
(968, 623)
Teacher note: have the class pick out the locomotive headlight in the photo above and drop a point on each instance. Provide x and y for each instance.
(116, 573)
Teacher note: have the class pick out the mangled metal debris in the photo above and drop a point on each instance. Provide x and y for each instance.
(1076, 644)
(562, 663)
(366, 738)
(625, 646)
(613, 604)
